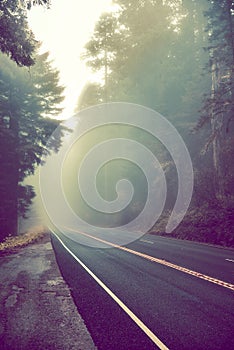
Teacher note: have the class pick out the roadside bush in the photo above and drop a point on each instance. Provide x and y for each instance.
(203, 224)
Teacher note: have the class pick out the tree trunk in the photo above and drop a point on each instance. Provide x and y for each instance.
(10, 178)
(14, 174)
(218, 128)
(222, 78)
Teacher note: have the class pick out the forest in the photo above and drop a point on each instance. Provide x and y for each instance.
(173, 56)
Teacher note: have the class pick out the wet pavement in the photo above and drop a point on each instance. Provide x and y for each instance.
(36, 307)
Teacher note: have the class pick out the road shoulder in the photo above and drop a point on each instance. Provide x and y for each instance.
(37, 310)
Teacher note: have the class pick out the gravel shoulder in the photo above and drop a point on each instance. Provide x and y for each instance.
(36, 307)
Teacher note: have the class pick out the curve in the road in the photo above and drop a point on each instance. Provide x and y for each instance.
(139, 323)
(162, 262)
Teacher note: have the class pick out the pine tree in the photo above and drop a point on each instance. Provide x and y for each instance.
(17, 40)
(129, 48)
(27, 99)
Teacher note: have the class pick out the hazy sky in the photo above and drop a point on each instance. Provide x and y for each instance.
(64, 30)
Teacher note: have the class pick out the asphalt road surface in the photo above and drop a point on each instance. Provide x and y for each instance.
(156, 293)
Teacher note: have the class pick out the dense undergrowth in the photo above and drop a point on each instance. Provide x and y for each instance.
(206, 224)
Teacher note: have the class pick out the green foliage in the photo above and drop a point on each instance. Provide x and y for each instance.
(91, 95)
(30, 3)
(129, 49)
(205, 223)
(17, 40)
(152, 53)
(27, 100)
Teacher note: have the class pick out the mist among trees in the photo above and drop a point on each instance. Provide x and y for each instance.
(175, 56)
(29, 99)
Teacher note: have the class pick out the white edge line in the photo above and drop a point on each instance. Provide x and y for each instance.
(165, 263)
(140, 324)
(231, 260)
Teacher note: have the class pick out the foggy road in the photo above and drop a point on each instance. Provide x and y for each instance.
(156, 293)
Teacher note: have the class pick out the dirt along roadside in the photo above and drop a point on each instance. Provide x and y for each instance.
(36, 307)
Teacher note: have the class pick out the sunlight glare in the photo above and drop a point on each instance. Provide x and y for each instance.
(63, 30)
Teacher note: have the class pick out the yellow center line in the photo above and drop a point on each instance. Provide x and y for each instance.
(124, 307)
(160, 261)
